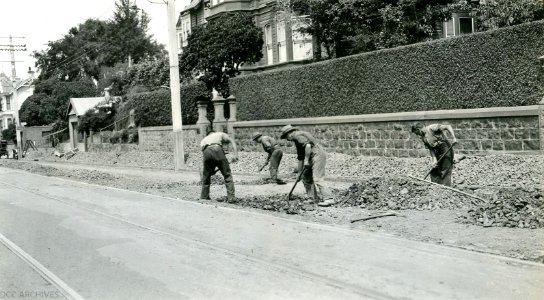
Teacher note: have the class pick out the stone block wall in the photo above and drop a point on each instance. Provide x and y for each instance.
(161, 138)
(479, 131)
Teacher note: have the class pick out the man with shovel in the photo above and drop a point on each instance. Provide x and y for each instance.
(441, 149)
(311, 162)
(274, 155)
(213, 156)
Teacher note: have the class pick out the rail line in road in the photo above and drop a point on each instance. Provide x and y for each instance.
(66, 290)
(361, 291)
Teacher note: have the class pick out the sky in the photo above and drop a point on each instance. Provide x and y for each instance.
(40, 21)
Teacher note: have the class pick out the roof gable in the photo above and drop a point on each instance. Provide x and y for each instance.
(79, 106)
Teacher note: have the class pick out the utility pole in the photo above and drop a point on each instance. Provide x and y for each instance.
(175, 91)
(15, 103)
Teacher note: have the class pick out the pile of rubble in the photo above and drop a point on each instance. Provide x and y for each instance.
(399, 193)
(523, 208)
(277, 202)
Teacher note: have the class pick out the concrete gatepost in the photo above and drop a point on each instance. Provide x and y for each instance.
(203, 123)
(541, 124)
(232, 119)
(219, 121)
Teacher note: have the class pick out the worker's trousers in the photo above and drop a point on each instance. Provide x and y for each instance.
(442, 173)
(213, 156)
(275, 159)
(313, 177)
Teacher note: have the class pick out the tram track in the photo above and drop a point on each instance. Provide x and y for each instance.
(358, 290)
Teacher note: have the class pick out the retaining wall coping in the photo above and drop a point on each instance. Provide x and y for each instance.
(168, 128)
(515, 111)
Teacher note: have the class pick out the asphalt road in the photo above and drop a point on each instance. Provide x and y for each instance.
(105, 243)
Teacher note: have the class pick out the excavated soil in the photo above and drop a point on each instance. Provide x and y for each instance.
(508, 222)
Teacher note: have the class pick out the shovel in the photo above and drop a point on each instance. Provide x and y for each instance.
(299, 177)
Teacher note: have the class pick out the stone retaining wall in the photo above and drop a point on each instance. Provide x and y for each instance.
(479, 131)
(160, 138)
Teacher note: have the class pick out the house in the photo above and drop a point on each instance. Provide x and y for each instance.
(9, 89)
(283, 44)
(78, 107)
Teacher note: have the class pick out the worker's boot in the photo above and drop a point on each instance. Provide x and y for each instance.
(310, 192)
(274, 177)
(230, 192)
(205, 192)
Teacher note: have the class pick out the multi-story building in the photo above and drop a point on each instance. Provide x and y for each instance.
(20, 88)
(283, 44)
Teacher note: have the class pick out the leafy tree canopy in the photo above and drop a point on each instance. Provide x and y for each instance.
(9, 134)
(218, 49)
(86, 49)
(128, 37)
(494, 14)
(347, 26)
(49, 103)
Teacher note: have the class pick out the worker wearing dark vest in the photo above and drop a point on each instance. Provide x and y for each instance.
(274, 155)
(440, 147)
(312, 159)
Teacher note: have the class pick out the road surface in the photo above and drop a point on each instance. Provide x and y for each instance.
(93, 242)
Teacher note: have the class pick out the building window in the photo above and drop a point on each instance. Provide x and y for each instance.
(302, 43)
(180, 40)
(460, 23)
(280, 36)
(8, 103)
(269, 45)
(466, 25)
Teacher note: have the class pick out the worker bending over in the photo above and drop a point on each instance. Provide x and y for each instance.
(441, 150)
(312, 159)
(274, 155)
(213, 156)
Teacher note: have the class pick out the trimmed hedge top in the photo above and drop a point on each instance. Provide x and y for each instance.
(488, 69)
(155, 108)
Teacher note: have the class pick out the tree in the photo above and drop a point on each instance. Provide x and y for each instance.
(344, 27)
(9, 133)
(128, 36)
(79, 54)
(494, 14)
(93, 45)
(49, 104)
(218, 49)
(331, 22)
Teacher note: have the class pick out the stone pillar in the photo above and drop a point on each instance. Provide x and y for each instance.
(232, 119)
(219, 121)
(541, 124)
(91, 136)
(289, 40)
(203, 123)
(131, 119)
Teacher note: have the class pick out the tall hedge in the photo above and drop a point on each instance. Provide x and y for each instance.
(488, 69)
(155, 108)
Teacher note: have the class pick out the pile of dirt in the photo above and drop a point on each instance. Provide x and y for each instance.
(399, 193)
(277, 202)
(509, 208)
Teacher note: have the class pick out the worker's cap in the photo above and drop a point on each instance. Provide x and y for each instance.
(256, 135)
(285, 130)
